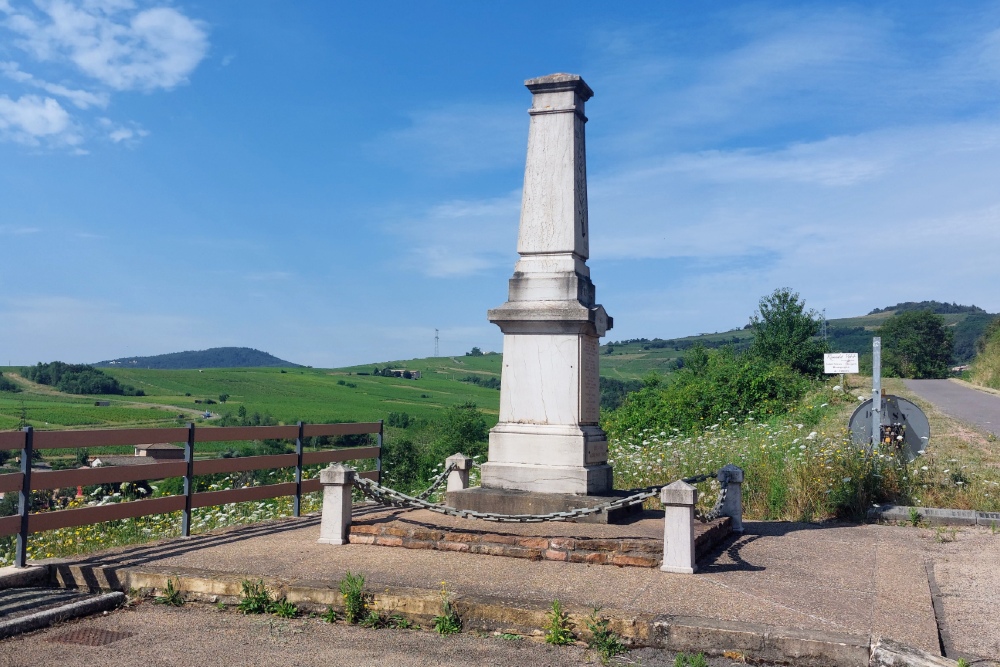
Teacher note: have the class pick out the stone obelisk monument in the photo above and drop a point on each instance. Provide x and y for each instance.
(548, 440)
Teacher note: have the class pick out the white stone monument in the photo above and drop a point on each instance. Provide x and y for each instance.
(547, 453)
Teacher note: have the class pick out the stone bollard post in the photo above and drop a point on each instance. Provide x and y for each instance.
(458, 478)
(678, 500)
(733, 505)
(338, 483)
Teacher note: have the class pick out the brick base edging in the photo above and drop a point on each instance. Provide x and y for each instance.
(625, 552)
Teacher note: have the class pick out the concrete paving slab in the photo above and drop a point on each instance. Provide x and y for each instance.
(856, 581)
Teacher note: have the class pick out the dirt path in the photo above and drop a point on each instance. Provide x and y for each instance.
(960, 401)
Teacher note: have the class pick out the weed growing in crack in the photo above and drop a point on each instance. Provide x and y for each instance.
(448, 623)
(559, 629)
(603, 640)
(171, 596)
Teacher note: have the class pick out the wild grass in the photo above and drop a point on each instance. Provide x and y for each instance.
(803, 467)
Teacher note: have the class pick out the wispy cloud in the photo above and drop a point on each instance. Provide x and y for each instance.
(113, 43)
(461, 237)
(268, 276)
(35, 326)
(456, 139)
(82, 99)
(11, 230)
(104, 47)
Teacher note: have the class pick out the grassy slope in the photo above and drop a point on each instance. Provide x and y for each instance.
(313, 394)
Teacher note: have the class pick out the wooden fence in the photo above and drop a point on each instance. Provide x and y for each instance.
(27, 480)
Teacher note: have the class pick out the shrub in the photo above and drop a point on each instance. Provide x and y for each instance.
(7, 385)
(713, 385)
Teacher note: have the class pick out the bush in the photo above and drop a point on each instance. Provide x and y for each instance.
(7, 385)
(713, 385)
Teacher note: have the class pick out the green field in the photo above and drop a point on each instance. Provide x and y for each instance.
(352, 393)
(287, 395)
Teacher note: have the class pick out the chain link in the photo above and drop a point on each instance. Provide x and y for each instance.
(436, 483)
(392, 498)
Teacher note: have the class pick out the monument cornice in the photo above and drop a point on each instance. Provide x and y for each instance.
(560, 82)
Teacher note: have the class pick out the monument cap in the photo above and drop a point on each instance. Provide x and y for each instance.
(554, 83)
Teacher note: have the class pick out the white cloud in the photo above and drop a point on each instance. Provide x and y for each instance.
(461, 237)
(114, 44)
(118, 133)
(101, 46)
(80, 98)
(31, 119)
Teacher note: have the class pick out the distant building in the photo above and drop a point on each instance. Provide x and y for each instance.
(401, 373)
(161, 451)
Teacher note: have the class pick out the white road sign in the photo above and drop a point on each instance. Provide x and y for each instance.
(840, 362)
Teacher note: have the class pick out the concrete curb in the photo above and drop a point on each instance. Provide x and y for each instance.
(934, 516)
(494, 614)
(42, 619)
(21, 577)
(887, 653)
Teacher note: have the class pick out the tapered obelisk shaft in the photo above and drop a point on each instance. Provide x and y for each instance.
(547, 439)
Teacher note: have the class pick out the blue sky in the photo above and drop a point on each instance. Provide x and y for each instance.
(331, 182)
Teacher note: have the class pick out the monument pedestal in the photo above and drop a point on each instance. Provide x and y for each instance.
(507, 501)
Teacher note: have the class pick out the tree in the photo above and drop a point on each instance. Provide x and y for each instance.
(474, 352)
(463, 429)
(916, 344)
(785, 332)
(223, 398)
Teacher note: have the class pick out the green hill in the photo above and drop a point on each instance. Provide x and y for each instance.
(286, 394)
(216, 357)
(854, 334)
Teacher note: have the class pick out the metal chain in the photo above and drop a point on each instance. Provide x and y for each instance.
(437, 482)
(393, 498)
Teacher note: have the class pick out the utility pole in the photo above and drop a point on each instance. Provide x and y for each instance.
(437, 344)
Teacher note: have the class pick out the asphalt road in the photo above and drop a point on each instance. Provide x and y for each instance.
(969, 405)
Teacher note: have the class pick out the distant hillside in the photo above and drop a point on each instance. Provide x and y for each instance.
(216, 357)
(935, 307)
(854, 334)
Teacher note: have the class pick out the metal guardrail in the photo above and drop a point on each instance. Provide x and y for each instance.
(27, 480)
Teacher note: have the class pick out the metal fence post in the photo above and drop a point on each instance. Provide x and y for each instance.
(24, 498)
(188, 482)
(378, 461)
(876, 393)
(297, 507)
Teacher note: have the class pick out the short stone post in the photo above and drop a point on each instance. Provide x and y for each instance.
(732, 476)
(458, 478)
(338, 483)
(678, 500)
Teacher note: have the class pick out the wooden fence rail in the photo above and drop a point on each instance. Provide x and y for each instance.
(27, 480)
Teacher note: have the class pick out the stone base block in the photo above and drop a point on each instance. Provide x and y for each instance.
(580, 480)
(506, 501)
